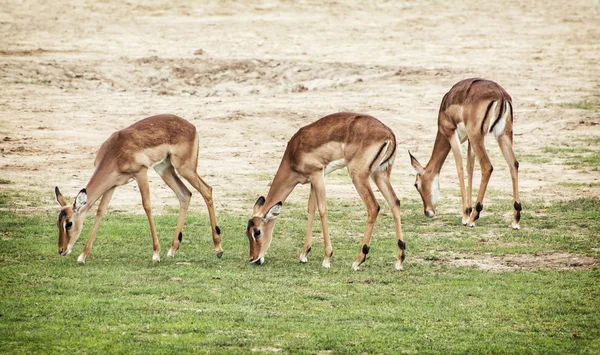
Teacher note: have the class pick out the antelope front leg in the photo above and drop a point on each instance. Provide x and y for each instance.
(455, 145)
(319, 187)
(99, 213)
(142, 181)
(312, 206)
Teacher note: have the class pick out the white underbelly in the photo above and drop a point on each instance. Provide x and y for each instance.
(461, 130)
(334, 165)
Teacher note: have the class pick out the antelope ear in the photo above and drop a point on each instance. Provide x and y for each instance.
(259, 203)
(416, 165)
(80, 200)
(59, 197)
(273, 212)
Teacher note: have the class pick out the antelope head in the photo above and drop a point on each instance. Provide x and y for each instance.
(70, 220)
(428, 186)
(260, 230)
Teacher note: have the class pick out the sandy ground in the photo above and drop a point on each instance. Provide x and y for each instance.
(249, 74)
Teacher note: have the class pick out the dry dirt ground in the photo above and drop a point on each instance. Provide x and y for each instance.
(248, 74)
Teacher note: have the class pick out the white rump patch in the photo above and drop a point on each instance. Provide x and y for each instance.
(334, 165)
(501, 123)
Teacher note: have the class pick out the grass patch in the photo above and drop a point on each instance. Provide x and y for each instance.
(582, 153)
(582, 105)
(122, 302)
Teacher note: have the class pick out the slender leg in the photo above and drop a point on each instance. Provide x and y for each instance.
(99, 213)
(486, 173)
(455, 144)
(142, 180)
(206, 191)
(167, 173)
(361, 182)
(312, 206)
(470, 165)
(505, 143)
(382, 180)
(318, 185)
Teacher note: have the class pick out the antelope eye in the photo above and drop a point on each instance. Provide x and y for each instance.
(69, 224)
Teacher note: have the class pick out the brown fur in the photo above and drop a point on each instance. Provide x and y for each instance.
(354, 138)
(167, 143)
(479, 104)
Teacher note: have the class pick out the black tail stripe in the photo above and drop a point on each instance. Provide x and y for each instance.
(377, 156)
(487, 111)
(499, 115)
(391, 155)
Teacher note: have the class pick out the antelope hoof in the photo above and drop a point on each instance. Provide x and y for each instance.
(303, 259)
(81, 260)
(219, 253)
(472, 224)
(155, 258)
(326, 264)
(356, 266)
(171, 252)
(398, 265)
(515, 226)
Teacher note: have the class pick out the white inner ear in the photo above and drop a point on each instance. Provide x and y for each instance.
(273, 212)
(80, 201)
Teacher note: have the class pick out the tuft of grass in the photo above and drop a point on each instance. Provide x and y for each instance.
(122, 302)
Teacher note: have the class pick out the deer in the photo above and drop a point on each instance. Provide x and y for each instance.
(166, 143)
(471, 109)
(359, 142)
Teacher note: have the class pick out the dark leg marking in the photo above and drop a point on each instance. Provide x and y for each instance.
(401, 244)
(219, 229)
(308, 250)
(402, 247)
(516, 165)
(468, 210)
(180, 237)
(478, 208)
(398, 203)
(330, 255)
(365, 249)
(378, 208)
(518, 208)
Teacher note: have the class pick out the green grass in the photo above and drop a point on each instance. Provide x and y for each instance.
(120, 302)
(582, 105)
(582, 153)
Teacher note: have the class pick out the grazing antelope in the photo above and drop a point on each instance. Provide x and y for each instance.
(166, 143)
(360, 142)
(469, 111)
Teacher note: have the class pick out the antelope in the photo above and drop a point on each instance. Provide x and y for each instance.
(168, 144)
(470, 110)
(359, 142)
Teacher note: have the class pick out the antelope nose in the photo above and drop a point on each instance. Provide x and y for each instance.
(429, 213)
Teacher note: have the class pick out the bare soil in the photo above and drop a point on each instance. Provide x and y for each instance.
(249, 74)
(547, 261)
